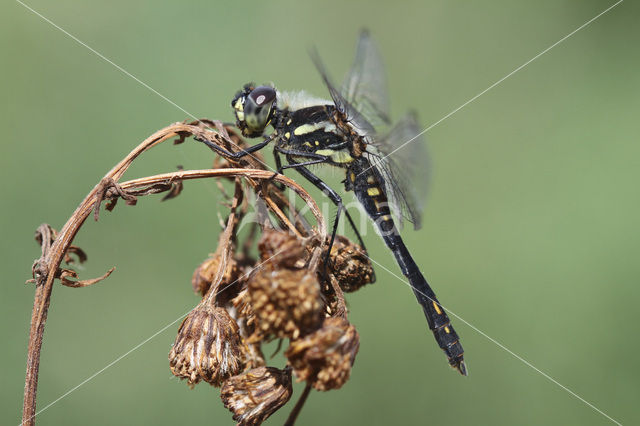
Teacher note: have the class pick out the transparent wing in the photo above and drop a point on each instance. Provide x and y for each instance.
(401, 158)
(365, 85)
(351, 114)
(364, 103)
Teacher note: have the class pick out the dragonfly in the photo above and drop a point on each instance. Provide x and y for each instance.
(353, 132)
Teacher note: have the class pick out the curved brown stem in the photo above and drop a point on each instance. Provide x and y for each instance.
(51, 260)
(296, 410)
(49, 264)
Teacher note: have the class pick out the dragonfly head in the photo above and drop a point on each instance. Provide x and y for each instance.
(254, 108)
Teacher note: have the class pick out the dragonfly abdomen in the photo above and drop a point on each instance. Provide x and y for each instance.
(437, 318)
(368, 187)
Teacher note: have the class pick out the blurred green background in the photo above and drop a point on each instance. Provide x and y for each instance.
(531, 228)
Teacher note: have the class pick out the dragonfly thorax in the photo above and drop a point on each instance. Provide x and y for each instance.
(314, 130)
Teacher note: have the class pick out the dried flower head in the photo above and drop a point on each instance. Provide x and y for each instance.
(208, 347)
(324, 358)
(351, 266)
(256, 394)
(282, 249)
(240, 309)
(220, 340)
(207, 271)
(286, 302)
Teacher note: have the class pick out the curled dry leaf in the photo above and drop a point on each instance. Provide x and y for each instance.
(45, 236)
(65, 274)
(175, 187)
(109, 189)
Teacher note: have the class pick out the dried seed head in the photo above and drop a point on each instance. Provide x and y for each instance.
(282, 249)
(242, 312)
(351, 266)
(256, 394)
(208, 347)
(207, 270)
(242, 307)
(286, 302)
(324, 358)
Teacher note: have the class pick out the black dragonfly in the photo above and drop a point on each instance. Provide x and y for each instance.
(345, 133)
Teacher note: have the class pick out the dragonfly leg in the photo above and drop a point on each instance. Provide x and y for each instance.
(278, 161)
(319, 183)
(329, 192)
(234, 155)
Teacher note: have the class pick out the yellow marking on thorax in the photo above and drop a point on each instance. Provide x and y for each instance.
(288, 122)
(342, 156)
(304, 129)
(325, 152)
(287, 135)
(373, 192)
(371, 179)
(437, 308)
(308, 128)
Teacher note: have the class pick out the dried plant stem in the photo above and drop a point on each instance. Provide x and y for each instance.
(245, 173)
(341, 304)
(226, 243)
(291, 420)
(47, 266)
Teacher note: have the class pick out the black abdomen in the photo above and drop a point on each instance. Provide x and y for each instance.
(368, 187)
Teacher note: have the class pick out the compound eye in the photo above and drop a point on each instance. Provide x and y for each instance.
(262, 95)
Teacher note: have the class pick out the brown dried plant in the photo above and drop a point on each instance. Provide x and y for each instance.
(282, 293)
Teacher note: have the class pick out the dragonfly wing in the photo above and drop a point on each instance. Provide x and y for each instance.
(400, 157)
(363, 101)
(365, 85)
(345, 107)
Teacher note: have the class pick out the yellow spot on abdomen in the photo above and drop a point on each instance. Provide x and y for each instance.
(446, 330)
(437, 308)
(287, 135)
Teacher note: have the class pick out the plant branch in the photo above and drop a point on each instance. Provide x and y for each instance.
(53, 253)
(291, 420)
